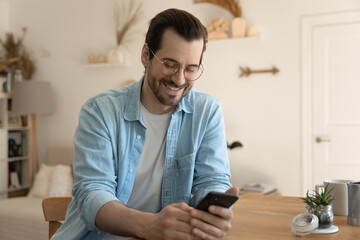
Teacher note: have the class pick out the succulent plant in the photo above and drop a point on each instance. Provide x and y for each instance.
(322, 198)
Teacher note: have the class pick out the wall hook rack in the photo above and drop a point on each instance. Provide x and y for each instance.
(245, 72)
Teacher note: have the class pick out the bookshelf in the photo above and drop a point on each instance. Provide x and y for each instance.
(15, 161)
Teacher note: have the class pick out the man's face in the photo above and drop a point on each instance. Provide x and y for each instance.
(162, 91)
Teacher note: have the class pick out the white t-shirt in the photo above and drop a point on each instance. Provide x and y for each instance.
(146, 193)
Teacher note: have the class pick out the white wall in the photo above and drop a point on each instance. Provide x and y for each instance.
(262, 111)
(4, 17)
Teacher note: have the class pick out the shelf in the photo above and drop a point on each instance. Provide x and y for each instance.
(13, 129)
(104, 65)
(14, 159)
(20, 162)
(243, 39)
(18, 189)
(18, 192)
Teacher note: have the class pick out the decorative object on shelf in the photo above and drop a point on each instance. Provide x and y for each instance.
(252, 31)
(218, 28)
(18, 77)
(319, 204)
(16, 57)
(101, 59)
(231, 5)
(245, 72)
(126, 18)
(238, 27)
(238, 24)
(14, 122)
(15, 144)
(32, 98)
(91, 58)
(7, 85)
(5, 64)
(24, 120)
(14, 180)
(117, 55)
(27, 66)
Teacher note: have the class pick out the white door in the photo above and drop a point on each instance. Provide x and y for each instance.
(336, 101)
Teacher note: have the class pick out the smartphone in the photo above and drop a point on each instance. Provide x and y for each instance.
(217, 198)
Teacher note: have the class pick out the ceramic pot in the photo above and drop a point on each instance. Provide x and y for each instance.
(117, 55)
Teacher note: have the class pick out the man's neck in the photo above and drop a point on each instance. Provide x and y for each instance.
(151, 103)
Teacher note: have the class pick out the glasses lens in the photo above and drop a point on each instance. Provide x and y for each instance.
(192, 73)
(170, 67)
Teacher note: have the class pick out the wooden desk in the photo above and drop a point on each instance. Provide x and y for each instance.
(263, 217)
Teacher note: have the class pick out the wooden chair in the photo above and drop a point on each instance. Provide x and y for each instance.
(54, 209)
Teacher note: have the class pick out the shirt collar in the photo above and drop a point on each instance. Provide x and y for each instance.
(132, 109)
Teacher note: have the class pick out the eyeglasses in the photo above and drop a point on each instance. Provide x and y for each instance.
(171, 67)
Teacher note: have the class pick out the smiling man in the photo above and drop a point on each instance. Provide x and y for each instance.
(146, 154)
(162, 92)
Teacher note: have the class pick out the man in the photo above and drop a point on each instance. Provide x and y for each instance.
(147, 153)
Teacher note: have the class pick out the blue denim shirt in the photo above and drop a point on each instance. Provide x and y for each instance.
(108, 143)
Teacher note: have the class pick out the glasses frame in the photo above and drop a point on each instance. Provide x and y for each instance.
(201, 68)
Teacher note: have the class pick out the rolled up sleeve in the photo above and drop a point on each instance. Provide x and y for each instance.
(212, 169)
(94, 167)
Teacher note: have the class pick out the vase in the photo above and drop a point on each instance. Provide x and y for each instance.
(324, 213)
(238, 27)
(91, 58)
(117, 55)
(7, 85)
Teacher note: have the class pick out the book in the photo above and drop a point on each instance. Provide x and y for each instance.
(14, 180)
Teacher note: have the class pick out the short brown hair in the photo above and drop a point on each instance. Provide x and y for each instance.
(182, 22)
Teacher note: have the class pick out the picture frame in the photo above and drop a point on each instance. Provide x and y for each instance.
(14, 122)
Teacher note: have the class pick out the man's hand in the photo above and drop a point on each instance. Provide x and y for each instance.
(213, 225)
(172, 222)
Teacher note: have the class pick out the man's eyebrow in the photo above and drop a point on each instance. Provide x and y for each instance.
(173, 60)
(170, 59)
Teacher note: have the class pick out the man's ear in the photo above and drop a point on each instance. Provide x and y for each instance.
(145, 55)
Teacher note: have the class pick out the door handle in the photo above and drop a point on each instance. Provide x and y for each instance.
(321, 139)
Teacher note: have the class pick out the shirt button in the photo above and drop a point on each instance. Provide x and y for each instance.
(130, 170)
(138, 137)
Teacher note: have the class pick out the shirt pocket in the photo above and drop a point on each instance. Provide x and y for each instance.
(182, 180)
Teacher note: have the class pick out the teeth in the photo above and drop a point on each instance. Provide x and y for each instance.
(172, 88)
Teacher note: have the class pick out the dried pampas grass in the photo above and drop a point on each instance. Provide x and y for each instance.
(126, 18)
(26, 65)
(13, 49)
(230, 5)
(16, 56)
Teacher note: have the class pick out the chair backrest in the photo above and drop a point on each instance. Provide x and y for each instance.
(59, 155)
(54, 209)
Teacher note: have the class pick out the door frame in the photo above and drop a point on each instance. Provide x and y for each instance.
(308, 24)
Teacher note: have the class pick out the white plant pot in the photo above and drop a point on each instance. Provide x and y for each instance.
(117, 55)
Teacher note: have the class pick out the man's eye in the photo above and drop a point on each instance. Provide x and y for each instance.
(192, 69)
(170, 64)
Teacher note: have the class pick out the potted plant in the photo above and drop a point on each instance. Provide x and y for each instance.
(319, 204)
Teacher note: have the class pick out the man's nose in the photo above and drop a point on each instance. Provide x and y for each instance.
(179, 77)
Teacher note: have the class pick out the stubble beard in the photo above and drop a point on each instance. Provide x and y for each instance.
(168, 100)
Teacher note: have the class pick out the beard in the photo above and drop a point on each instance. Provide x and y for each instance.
(157, 85)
